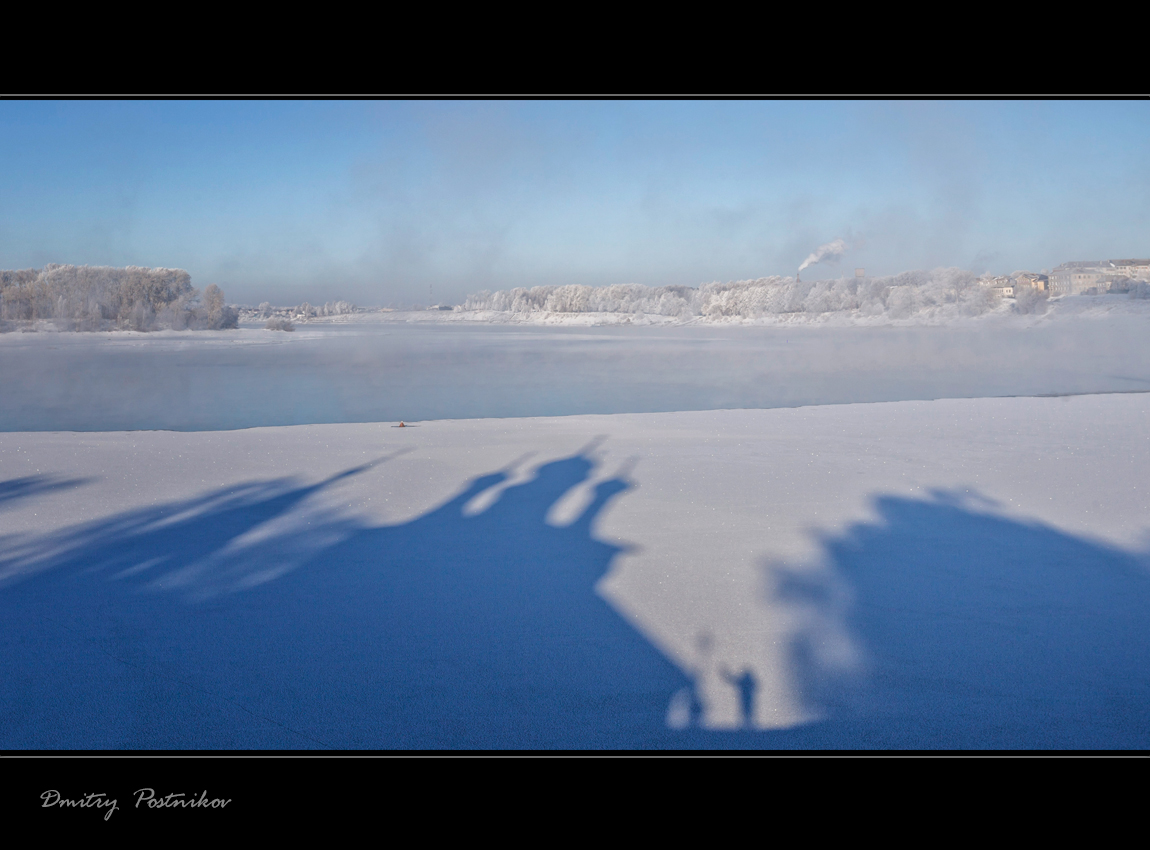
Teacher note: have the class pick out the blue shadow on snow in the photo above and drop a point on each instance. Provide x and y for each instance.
(157, 630)
(449, 631)
(971, 631)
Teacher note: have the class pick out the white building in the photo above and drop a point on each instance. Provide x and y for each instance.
(1096, 275)
(1076, 277)
(1133, 269)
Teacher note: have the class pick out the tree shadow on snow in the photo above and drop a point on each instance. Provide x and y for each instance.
(31, 485)
(181, 626)
(942, 625)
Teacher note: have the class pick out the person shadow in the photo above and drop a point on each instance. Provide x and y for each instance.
(455, 630)
(746, 684)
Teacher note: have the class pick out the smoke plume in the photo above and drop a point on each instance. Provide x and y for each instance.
(832, 250)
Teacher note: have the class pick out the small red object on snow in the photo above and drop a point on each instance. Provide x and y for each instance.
(401, 425)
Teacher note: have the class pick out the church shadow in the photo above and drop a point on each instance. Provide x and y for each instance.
(942, 625)
(167, 628)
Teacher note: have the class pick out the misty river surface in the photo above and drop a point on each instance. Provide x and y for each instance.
(329, 373)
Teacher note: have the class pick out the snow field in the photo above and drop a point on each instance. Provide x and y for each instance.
(719, 515)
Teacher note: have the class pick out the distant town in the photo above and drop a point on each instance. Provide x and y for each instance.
(1085, 277)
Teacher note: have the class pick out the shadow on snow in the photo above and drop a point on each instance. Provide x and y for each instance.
(943, 625)
(31, 485)
(162, 629)
(191, 625)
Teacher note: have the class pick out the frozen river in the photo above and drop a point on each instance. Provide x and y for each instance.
(340, 373)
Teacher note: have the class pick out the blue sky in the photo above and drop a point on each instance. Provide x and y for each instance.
(376, 202)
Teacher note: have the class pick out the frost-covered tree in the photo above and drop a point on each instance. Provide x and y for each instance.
(103, 298)
(1030, 300)
(336, 308)
(940, 292)
(218, 314)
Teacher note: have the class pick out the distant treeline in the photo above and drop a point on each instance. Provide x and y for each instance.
(303, 311)
(940, 292)
(97, 298)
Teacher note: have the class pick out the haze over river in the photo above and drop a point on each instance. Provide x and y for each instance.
(373, 372)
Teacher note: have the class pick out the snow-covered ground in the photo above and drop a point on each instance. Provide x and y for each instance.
(969, 572)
